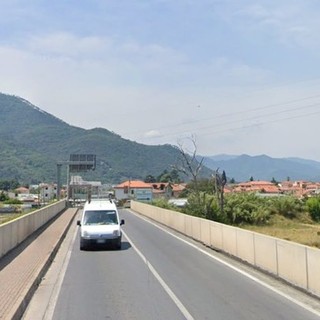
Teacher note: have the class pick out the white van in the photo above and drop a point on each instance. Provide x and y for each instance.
(100, 224)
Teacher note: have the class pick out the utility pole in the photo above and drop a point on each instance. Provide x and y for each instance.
(58, 180)
(220, 181)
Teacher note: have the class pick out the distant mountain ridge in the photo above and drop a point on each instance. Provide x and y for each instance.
(33, 141)
(262, 167)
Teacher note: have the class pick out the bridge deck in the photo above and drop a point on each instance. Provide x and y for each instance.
(21, 269)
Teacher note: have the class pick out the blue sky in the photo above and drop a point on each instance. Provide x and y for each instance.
(237, 76)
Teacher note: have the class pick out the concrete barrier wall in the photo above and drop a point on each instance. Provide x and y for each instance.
(295, 263)
(14, 232)
(245, 246)
(313, 258)
(292, 263)
(266, 253)
(229, 240)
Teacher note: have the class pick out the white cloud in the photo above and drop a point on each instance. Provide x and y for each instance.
(144, 81)
(152, 134)
(292, 22)
(111, 62)
(66, 44)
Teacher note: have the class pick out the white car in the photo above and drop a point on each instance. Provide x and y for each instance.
(100, 224)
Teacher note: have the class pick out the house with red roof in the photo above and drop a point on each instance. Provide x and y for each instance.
(177, 189)
(22, 190)
(139, 190)
(257, 186)
(167, 190)
(294, 188)
(300, 188)
(134, 189)
(161, 190)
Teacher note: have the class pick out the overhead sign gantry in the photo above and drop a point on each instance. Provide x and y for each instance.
(76, 163)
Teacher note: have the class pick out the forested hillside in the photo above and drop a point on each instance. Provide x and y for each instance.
(33, 141)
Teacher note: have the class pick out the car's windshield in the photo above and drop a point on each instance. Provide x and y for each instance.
(94, 217)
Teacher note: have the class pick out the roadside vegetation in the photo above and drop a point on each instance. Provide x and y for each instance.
(282, 216)
(10, 208)
(14, 206)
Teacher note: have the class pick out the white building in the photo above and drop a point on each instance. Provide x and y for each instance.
(134, 189)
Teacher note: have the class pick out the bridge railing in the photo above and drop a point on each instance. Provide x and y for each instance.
(12, 233)
(297, 264)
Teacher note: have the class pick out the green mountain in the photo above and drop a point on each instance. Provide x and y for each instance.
(263, 167)
(34, 141)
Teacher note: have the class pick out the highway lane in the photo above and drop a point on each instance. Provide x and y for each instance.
(111, 284)
(157, 276)
(208, 288)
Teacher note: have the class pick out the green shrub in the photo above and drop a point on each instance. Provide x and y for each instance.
(288, 206)
(313, 205)
(205, 206)
(3, 196)
(246, 208)
(163, 203)
(12, 201)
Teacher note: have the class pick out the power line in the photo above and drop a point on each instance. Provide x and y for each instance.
(265, 122)
(265, 115)
(230, 114)
(241, 127)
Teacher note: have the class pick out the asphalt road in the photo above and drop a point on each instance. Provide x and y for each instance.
(158, 275)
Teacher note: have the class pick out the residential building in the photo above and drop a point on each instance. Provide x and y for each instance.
(47, 192)
(134, 189)
(161, 190)
(177, 189)
(295, 188)
(257, 186)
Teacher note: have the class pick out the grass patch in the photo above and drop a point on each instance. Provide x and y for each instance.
(302, 231)
(9, 216)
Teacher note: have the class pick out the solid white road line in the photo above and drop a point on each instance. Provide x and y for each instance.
(246, 274)
(175, 299)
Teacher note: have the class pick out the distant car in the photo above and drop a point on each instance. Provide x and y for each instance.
(127, 204)
(100, 224)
